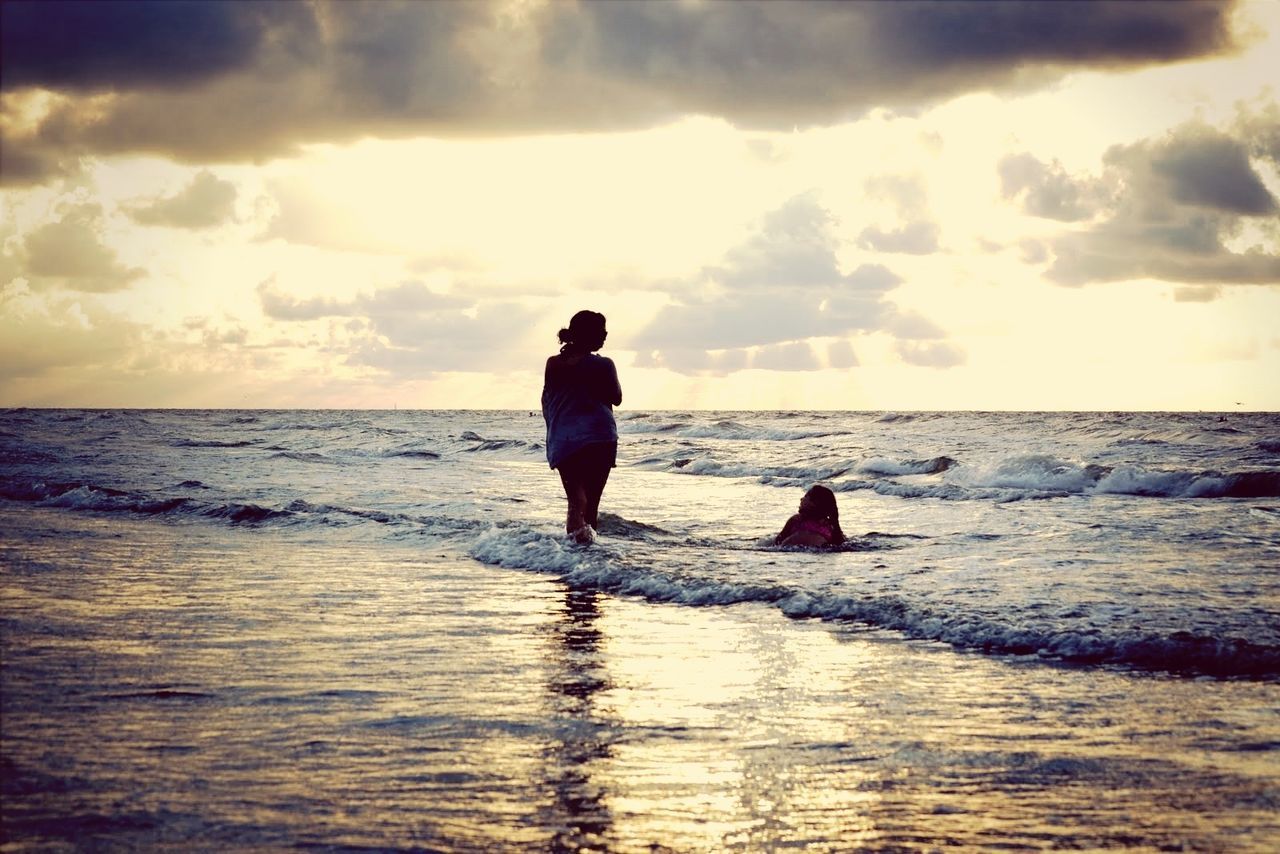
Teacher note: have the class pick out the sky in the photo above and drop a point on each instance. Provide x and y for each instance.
(800, 205)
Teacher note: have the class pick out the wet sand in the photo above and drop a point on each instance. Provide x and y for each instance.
(179, 685)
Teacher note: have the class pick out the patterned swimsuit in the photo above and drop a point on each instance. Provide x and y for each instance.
(821, 527)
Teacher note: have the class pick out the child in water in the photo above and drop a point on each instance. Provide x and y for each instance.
(817, 523)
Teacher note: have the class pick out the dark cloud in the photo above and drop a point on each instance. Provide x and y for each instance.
(1205, 168)
(781, 287)
(120, 45)
(25, 162)
(69, 252)
(251, 80)
(1173, 204)
(206, 202)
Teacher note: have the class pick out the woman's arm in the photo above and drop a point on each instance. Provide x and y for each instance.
(786, 530)
(611, 390)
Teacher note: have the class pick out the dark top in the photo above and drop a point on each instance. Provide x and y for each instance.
(579, 392)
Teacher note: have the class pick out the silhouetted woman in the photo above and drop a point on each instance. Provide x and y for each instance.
(579, 391)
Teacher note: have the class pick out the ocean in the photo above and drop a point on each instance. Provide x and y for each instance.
(365, 630)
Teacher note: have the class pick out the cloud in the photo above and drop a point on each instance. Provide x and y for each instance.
(1046, 190)
(423, 344)
(412, 332)
(1202, 167)
(796, 356)
(782, 286)
(396, 301)
(148, 44)
(1259, 128)
(26, 162)
(205, 81)
(912, 326)
(934, 354)
(70, 253)
(840, 355)
(1197, 294)
(1163, 208)
(918, 234)
(916, 238)
(206, 202)
(280, 306)
(37, 337)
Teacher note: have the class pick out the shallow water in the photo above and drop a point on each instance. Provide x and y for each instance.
(275, 629)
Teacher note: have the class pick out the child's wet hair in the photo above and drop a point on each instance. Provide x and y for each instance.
(825, 501)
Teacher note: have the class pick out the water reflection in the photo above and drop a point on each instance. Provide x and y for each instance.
(583, 733)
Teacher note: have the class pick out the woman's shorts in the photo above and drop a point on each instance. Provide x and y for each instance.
(596, 457)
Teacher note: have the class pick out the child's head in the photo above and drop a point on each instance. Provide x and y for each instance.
(820, 503)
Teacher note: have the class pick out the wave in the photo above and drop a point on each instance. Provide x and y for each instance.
(724, 429)
(412, 453)
(84, 496)
(303, 425)
(1013, 479)
(1175, 484)
(74, 495)
(211, 443)
(772, 475)
(881, 465)
(602, 569)
(629, 529)
(484, 444)
(1046, 474)
(303, 457)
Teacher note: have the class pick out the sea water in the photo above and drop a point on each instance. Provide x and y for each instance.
(367, 629)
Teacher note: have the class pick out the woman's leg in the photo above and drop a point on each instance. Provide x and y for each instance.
(593, 489)
(599, 460)
(575, 492)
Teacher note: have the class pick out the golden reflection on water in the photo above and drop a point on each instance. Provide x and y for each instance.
(701, 719)
(731, 728)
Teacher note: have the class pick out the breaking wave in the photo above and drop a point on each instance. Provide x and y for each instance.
(602, 569)
(1012, 479)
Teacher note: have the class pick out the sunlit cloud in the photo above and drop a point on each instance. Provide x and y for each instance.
(206, 202)
(69, 252)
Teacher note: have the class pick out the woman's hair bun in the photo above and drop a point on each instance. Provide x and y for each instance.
(586, 329)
